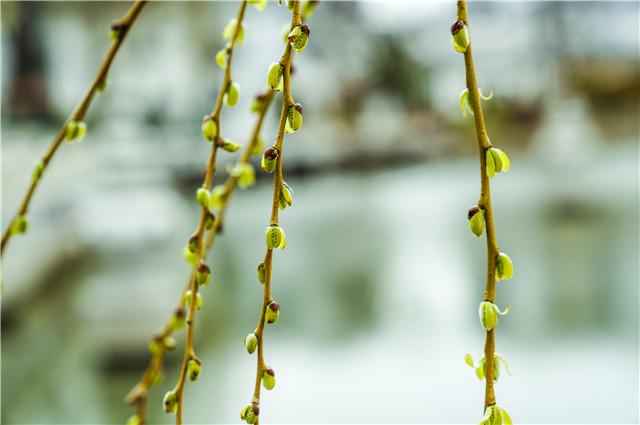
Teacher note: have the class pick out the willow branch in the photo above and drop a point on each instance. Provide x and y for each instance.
(484, 203)
(138, 395)
(121, 27)
(287, 102)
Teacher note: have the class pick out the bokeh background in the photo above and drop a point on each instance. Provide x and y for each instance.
(381, 278)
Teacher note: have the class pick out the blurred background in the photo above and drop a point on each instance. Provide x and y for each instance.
(381, 278)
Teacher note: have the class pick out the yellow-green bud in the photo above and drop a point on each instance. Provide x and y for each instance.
(272, 312)
(286, 196)
(203, 275)
(270, 159)
(261, 273)
(275, 237)
(229, 145)
(258, 145)
(481, 367)
(251, 342)
(504, 267)
(294, 118)
(465, 103)
(102, 85)
(202, 196)
(489, 313)
(170, 402)
(258, 4)
(460, 36)
(178, 318)
(38, 169)
(193, 243)
(218, 197)
(495, 415)
(230, 29)
(222, 58)
(476, 220)
(496, 161)
(465, 100)
(117, 29)
(20, 225)
(190, 256)
(76, 130)
(209, 219)
(268, 378)
(188, 298)
(250, 413)
(161, 343)
(232, 94)
(299, 37)
(275, 77)
(308, 8)
(506, 419)
(209, 129)
(134, 420)
(194, 365)
(258, 103)
(244, 173)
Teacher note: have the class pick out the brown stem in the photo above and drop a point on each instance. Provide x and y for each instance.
(189, 352)
(138, 394)
(124, 24)
(287, 101)
(485, 203)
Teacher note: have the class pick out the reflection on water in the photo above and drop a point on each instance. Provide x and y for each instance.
(378, 286)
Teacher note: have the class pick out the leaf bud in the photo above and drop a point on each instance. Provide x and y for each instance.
(504, 267)
(275, 77)
(209, 128)
(76, 130)
(272, 312)
(188, 298)
(270, 159)
(20, 225)
(286, 196)
(203, 274)
(268, 378)
(294, 118)
(275, 237)
(489, 313)
(251, 342)
(202, 196)
(299, 37)
(170, 401)
(261, 273)
(232, 94)
(476, 220)
(460, 36)
(194, 365)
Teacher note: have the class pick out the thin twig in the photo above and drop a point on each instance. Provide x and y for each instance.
(189, 352)
(122, 26)
(484, 203)
(139, 393)
(287, 102)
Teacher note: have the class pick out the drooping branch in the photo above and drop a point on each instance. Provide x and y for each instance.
(74, 127)
(492, 161)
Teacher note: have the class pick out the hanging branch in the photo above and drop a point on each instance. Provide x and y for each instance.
(499, 266)
(163, 341)
(74, 128)
(279, 78)
(194, 251)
